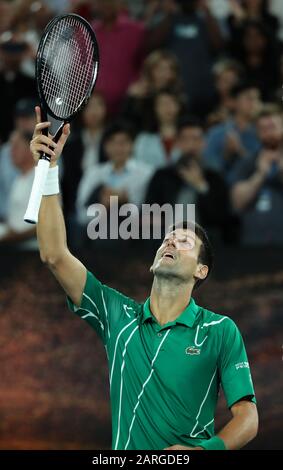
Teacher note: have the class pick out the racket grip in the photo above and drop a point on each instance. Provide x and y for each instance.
(31, 215)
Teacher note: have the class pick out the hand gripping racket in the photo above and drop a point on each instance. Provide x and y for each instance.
(66, 71)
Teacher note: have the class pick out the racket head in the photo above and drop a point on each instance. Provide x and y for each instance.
(67, 64)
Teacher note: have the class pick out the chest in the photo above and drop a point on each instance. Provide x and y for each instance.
(178, 356)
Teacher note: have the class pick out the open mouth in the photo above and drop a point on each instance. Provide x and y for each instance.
(168, 255)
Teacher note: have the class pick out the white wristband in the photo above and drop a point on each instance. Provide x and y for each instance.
(52, 182)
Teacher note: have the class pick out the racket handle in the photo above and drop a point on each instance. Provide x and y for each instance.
(31, 215)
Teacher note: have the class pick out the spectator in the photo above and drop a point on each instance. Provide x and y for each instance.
(249, 10)
(236, 138)
(14, 230)
(187, 182)
(227, 74)
(194, 36)
(24, 122)
(14, 84)
(121, 176)
(160, 71)
(157, 148)
(83, 150)
(257, 192)
(259, 54)
(121, 43)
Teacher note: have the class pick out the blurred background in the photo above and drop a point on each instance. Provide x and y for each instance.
(187, 110)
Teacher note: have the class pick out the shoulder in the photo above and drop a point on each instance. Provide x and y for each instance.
(211, 318)
(147, 137)
(126, 302)
(97, 170)
(216, 322)
(137, 166)
(217, 131)
(111, 297)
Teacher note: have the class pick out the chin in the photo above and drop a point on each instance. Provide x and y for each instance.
(164, 271)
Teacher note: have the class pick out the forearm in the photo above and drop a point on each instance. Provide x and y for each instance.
(245, 192)
(239, 431)
(51, 231)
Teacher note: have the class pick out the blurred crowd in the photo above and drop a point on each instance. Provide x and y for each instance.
(187, 109)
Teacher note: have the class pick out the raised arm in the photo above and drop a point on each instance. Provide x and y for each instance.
(51, 232)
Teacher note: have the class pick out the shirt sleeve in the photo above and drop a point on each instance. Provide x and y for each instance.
(102, 307)
(234, 367)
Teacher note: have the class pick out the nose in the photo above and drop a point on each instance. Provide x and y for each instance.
(171, 241)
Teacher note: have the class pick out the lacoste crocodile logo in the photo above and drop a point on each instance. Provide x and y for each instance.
(192, 350)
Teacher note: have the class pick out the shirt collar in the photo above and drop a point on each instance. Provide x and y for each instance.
(187, 317)
(129, 165)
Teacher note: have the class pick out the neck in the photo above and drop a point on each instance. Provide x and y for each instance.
(119, 166)
(94, 130)
(167, 129)
(169, 299)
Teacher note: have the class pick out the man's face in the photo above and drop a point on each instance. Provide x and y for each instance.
(163, 74)
(270, 130)
(95, 112)
(119, 148)
(226, 80)
(248, 103)
(178, 257)
(167, 108)
(191, 141)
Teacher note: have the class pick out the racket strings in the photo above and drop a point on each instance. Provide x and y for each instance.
(65, 88)
(68, 67)
(75, 90)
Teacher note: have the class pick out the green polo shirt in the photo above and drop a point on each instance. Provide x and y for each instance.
(164, 380)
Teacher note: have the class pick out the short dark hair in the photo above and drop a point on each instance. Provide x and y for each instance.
(268, 110)
(118, 127)
(25, 107)
(188, 121)
(206, 251)
(242, 87)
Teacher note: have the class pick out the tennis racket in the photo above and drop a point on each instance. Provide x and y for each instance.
(66, 71)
